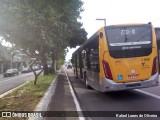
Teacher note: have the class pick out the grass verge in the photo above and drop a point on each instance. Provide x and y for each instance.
(27, 97)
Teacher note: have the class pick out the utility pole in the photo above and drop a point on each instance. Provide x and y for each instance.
(102, 19)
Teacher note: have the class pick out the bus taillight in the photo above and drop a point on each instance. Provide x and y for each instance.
(107, 70)
(154, 67)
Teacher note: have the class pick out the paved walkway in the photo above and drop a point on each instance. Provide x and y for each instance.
(62, 102)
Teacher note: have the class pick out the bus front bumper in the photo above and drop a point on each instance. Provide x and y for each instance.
(110, 85)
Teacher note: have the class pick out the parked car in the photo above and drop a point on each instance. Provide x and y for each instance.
(36, 68)
(26, 70)
(10, 72)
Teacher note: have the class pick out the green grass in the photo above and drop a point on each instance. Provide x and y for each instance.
(27, 97)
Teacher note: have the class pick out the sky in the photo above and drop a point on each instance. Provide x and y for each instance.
(118, 12)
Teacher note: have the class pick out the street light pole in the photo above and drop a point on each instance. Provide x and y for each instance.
(104, 19)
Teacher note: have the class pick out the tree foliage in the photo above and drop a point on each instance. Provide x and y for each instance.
(42, 28)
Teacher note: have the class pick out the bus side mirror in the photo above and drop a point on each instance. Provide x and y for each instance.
(101, 35)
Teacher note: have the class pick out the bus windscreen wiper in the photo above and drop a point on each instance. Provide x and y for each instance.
(141, 38)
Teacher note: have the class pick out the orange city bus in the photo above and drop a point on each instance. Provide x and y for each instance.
(118, 57)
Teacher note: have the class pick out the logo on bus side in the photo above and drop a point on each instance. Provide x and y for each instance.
(120, 77)
(119, 61)
(145, 59)
(133, 71)
(145, 63)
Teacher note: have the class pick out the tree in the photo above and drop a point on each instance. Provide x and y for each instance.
(41, 28)
(78, 38)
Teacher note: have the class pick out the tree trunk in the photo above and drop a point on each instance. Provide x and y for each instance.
(53, 67)
(53, 56)
(35, 79)
(45, 66)
(36, 75)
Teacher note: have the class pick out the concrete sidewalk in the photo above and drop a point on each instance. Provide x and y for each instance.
(58, 100)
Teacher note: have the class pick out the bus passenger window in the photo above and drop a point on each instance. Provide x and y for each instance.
(87, 59)
(83, 54)
(94, 59)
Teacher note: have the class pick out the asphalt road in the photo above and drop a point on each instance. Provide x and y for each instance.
(147, 99)
(9, 83)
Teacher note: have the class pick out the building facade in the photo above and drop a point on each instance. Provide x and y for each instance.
(12, 59)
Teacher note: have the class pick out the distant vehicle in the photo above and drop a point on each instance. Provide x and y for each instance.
(26, 70)
(10, 72)
(69, 66)
(36, 68)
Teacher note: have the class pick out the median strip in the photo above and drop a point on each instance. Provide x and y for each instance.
(26, 97)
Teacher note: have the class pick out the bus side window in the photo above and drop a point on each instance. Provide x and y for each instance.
(94, 57)
(83, 55)
(87, 60)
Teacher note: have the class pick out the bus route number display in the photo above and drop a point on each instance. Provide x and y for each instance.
(128, 31)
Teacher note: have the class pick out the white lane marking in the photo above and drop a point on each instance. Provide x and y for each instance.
(14, 78)
(75, 99)
(150, 94)
(10, 91)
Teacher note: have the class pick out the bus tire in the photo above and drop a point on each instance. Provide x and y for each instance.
(86, 82)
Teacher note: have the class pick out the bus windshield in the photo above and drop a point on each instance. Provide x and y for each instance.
(126, 41)
(129, 35)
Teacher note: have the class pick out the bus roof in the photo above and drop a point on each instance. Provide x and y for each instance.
(85, 43)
